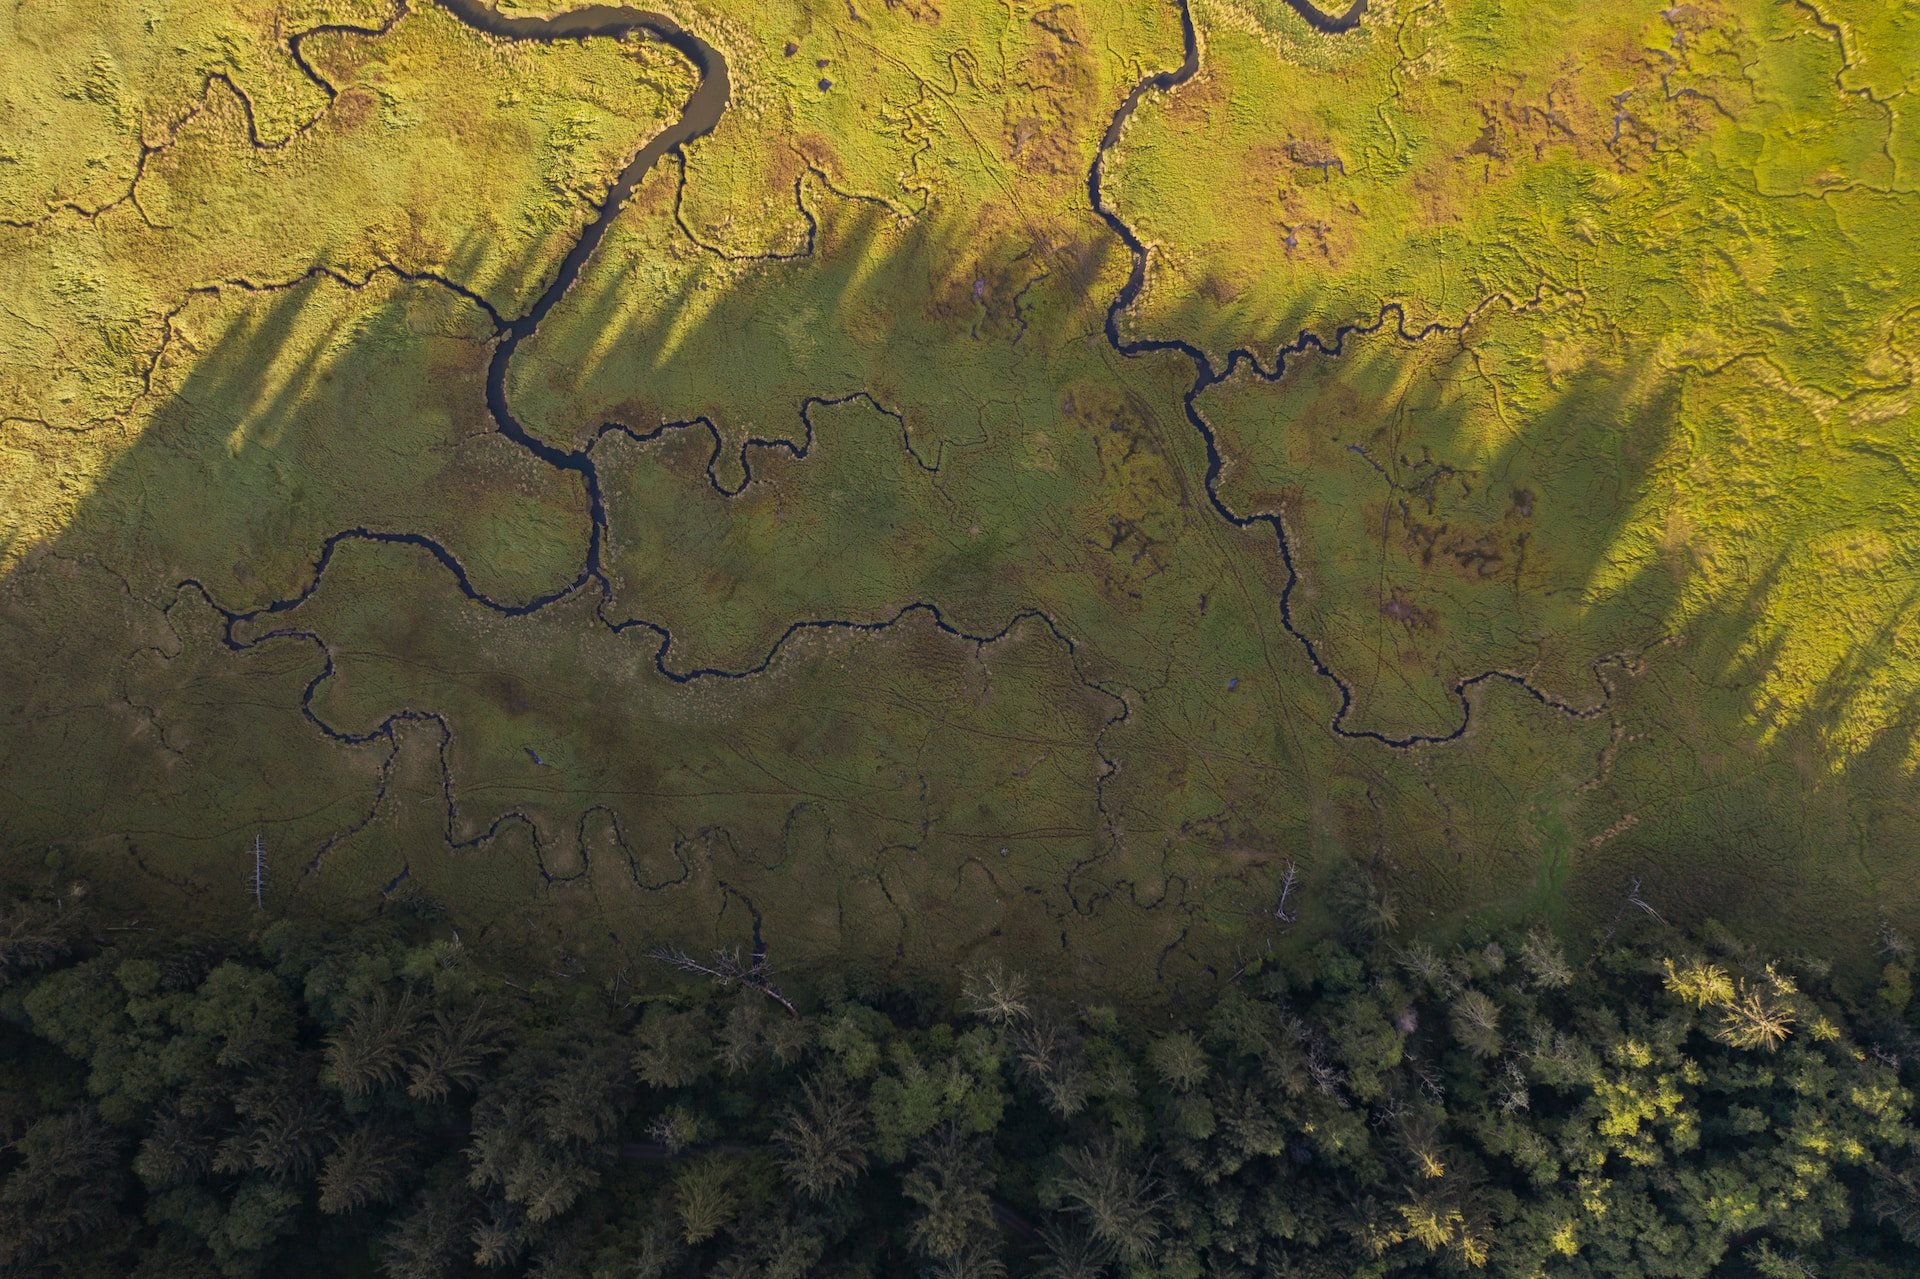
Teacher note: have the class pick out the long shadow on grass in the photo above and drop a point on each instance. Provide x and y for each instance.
(309, 422)
(927, 343)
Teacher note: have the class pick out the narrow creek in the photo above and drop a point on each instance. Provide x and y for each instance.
(702, 112)
(1206, 376)
(698, 118)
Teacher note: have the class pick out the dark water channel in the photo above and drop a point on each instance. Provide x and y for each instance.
(701, 113)
(698, 117)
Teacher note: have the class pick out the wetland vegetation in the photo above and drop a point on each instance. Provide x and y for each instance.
(1288, 531)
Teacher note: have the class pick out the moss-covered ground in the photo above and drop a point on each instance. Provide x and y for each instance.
(1502, 476)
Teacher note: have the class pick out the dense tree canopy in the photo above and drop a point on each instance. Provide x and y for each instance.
(377, 1103)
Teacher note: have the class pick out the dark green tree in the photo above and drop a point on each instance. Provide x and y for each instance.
(1114, 1191)
(948, 1182)
(369, 1049)
(367, 1165)
(64, 1185)
(451, 1051)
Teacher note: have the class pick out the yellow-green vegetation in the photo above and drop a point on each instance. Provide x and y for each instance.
(434, 151)
(1503, 473)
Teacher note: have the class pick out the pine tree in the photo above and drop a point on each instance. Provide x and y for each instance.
(655, 1253)
(1119, 1198)
(584, 1098)
(948, 1181)
(1476, 1023)
(1252, 1154)
(369, 1050)
(36, 934)
(1437, 1223)
(1050, 1055)
(546, 1188)
(453, 1052)
(772, 1244)
(678, 1127)
(996, 995)
(1427, 967)
(66, 1186)
(1701, 984)
(246, 1012)
(978, 1259)
(704, 1197)
(283, 1124)
(1545, 963)
(432, 1240)
(498, 1237)
(261, 1212)
(502, 1129)
(566, 1255)
(742, 1035)
(1751, 1020)
(1894, 1197)
(364, 1167)
(1073, 1253)
(174, 1255)
(674, 1047)
(178, 1148)
(823, 1136)
(1179, 1061)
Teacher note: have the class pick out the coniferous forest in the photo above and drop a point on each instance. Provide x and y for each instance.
(378, 1102)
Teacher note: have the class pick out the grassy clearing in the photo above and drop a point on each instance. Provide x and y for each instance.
(1657, 461)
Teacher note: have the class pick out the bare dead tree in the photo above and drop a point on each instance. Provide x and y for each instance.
(1514, 1095)
(1431, 1086)
(1288, 883)
(996, 995)
(1327, 1076)
(729, 969)
(1389, 1112)
(1633, 899)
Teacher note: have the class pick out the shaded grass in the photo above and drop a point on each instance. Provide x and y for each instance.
(917, 635)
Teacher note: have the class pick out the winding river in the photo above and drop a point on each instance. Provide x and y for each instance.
(701, 114)
(697, 118)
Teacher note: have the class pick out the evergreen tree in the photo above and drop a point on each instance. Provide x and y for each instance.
(430, 1241)
(1179, 1060)
(370, 1047)
(1670, 1107)
(64, 1185)
(674, 1047)
(179, 1147)
(36, 933)
(705, 1197)
(1115, 1194)
(283, 1123)
(1476, 1023)
(365, 1166)
(823, 1136)
(452, 1051)
(948, 1182)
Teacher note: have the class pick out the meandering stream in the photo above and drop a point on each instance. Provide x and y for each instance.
(702, 112)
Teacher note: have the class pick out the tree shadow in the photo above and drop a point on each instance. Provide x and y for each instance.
(1549, 564)
(877, 524)
(301, 433)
